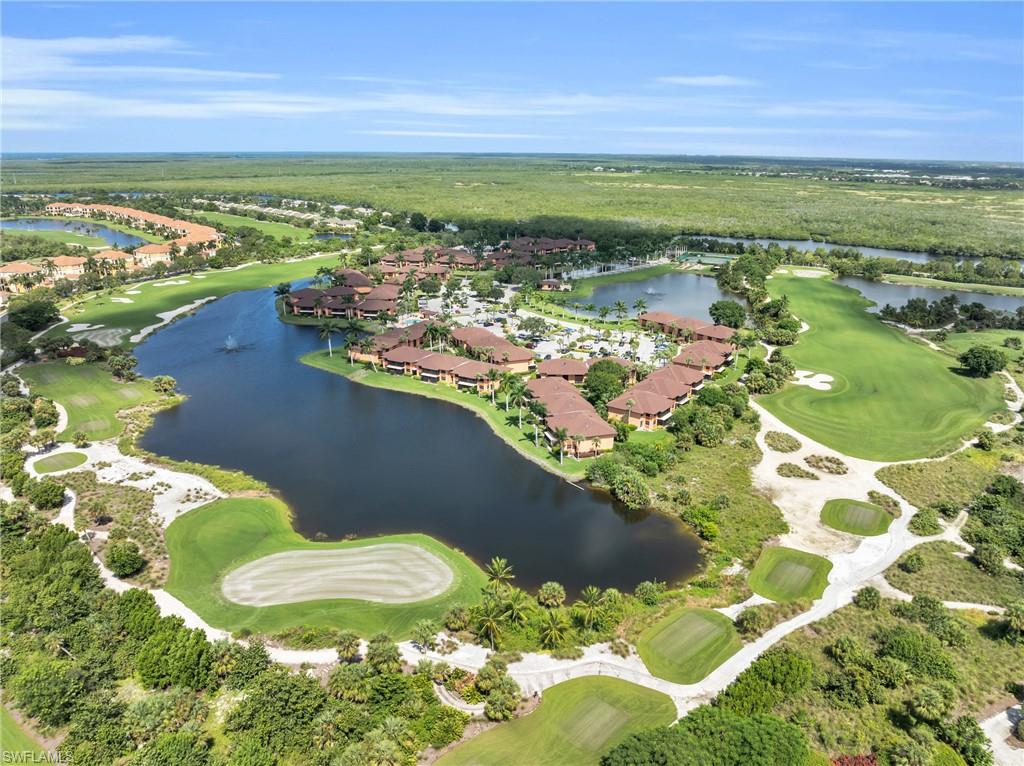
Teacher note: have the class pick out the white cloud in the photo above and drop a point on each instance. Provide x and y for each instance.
(706, 81)
(727, 130)
(449, 134)
(59, 60)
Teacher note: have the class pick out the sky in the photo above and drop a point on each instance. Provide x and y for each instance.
(941, 81)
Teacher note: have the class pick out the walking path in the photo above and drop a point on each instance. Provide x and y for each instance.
(998, 729)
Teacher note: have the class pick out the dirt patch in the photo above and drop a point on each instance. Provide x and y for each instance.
(389, 573)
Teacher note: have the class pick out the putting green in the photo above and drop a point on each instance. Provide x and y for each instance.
(688, 644)
(891, 398)
(856, 517)
(89, 394)
(61, 462)
(785, 574)
(576, 723)
(209, 542)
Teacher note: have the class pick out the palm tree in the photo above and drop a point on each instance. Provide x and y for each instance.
(639, 306)
(553, 628)
(499, 571)
(590, 308)
(327, 328)
(590, 606)
(508, 380)
(282, 289)
(519, 396)
(630, 404)
(745, 342)
(539, 411)
(366, 346)
(489, 621)
(620, 309)
(517, 606)
(492, 375)
(561, 435)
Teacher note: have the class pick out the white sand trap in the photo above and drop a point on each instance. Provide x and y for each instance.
(199, 276)
(108, 337)
(133, 292)
(171, 282)
(121, 300)
(810, 273)
(819, 381)
(82, 326)
(389, 573)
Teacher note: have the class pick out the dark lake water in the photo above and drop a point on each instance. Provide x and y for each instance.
(112, 236)
(882, 293)
(350, 459)
(325, 235)
(810, 244)
(680, 293)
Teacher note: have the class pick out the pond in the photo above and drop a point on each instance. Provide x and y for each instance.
(677, 292)
(810, 244)
(882, 293)
(354, 460)
(325, 235)
(112, 236)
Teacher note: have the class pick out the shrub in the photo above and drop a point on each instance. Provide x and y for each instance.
(982, 361)
(649, 592)
(868, 598)
(551, 595)
(773, 677)
(884, 501)
(123, 558)
(925, 523)
(827, 464)
(793, 471)
(912, 562)
(781, 442)
(923, 654)
(80, 439)
(45, 494)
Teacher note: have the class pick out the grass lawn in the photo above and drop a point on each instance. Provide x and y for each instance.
(892, 399)
(207, 543)
(89, 394)
(688, 644)
(856, 517)
(957, 479)
(15, 740)
(163, 295)
(576, 723)
(950, 578)
(985, 667)
(901, 279)
(504, 424)
(270, 228)
(785, 574)
(583, 288)
(148, 236)
(61, 462)
(65, 237)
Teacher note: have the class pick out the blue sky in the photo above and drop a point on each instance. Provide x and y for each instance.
(916, 81)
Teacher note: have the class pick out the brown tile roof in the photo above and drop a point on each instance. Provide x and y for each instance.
(476, 338)
(191, 232)
(20, 267)
(471, 369)
(700, 353)
(405, 354)
(539, 387)
(305, 292)
(68, 260)
(442, 362)
(717, 331)
(560, 404)
(111, 255)
(153, 249)
(617, 359)
(384, 293)
(686, 375)
(644, 402)
(355, 278)
(663, 384)
(375, 305)
(587, 425)
(564, 366)
(339, 290)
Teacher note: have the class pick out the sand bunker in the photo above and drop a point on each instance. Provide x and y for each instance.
(121, 300)
(809, 273)
(171, 282)
(133, 292)
(819, 381)
(389, 573)
(104, 336)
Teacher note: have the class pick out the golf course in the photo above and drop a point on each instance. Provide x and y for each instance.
(207, 544)
(90, 395)
(688, 644)
(856, 517)
(130, 308)
(576, 722)
(59, 462)
(891, 398)
(785, 574)
(270, 228)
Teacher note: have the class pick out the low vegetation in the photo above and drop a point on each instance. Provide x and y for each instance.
(827, 464)
(781, 442)
(793, 471)
(949, 577)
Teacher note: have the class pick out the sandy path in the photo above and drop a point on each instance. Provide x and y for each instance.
(998, 729)
(389, 573)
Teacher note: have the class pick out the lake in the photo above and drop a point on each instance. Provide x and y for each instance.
(810, 244)
(326, 235)
(112, 236)
(354, 460)
(882, 293)
(677, 292)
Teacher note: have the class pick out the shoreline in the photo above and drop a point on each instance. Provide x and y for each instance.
(904, 280)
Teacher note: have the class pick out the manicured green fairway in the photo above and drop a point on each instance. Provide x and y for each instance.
(207, 543)
(856, 517)
(576, 723)
(270, 228)
(61, 462)
(67, 237)
(15, 740)
(785, 574)
(958, 342)
(151, 298)
(89, 394)
(688, 644)
(892, 399)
